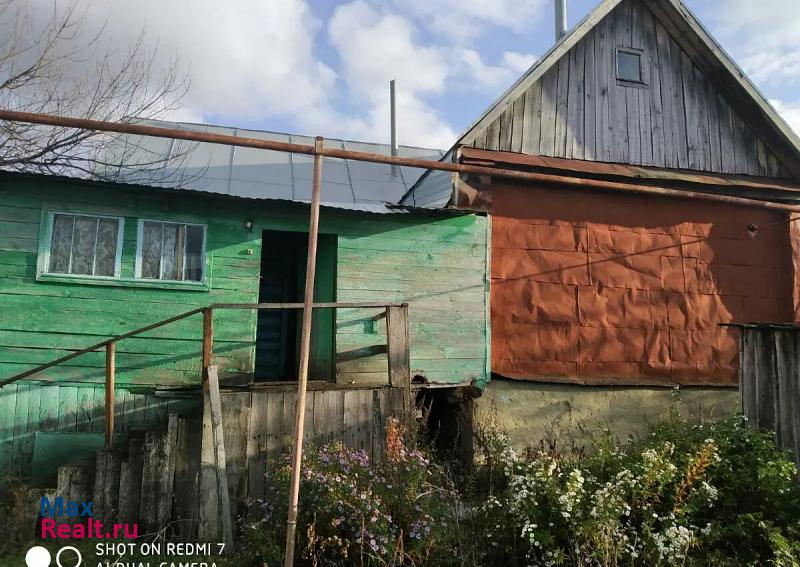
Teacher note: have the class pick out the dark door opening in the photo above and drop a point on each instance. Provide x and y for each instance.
(283, 269)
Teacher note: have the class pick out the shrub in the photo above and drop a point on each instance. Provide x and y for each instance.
(353, 512)
(705, 494)
(713, 494)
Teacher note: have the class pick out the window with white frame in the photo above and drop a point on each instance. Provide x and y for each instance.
(84, 245)
(170, 251)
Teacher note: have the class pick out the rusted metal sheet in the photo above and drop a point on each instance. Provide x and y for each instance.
(595, 288)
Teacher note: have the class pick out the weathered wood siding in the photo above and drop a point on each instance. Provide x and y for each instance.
(27, 408)
(770, 382)
(436, 262)
(678, 119)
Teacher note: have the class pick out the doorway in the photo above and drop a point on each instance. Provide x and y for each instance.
(283, 270)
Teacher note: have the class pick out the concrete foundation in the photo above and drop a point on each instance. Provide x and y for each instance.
(531, 412)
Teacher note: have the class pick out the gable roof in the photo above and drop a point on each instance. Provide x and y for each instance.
(704, 51)
(256, 173)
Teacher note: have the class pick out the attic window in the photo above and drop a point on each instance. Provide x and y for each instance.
(629, 66)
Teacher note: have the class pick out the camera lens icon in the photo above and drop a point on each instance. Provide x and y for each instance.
(38, 556)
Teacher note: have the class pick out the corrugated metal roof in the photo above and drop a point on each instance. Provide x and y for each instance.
(260, 174)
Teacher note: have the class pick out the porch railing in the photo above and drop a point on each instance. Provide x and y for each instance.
(399, 365)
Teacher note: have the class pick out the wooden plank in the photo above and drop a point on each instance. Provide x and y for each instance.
(792, 392)
(620, 148)
(765, 368)
(106, 486)
(351, 418)
(604, 71)
(399, 353)
(337, 409)
(235, 421)
(274, 426)
(679, 115)
(85, 409)
(590, 93)
(493, 135)
(547, 144)
(638, 31)
(364, 436)
(67, 408)
(34, 425)
(257, 444)
(562, 108)
(99, 410)
(73, 484)
(726, 137)
(632, 95)
(786, 373)
(220, 459)
(761, 158)
(739, 143)
(517, 123)
(187, 472)
(158, 476)
(322, 420)
(20, 457)
(658, 142)
(506, 128)
(289, 409)
(531, 127)
(575, 101)
(692, 112)
(130, 483)
(714, 136)
(215, 511)
(111, 368)
(48, 407)
(666, 77)
(703, 134)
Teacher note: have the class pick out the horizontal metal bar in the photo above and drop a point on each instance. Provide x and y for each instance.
(539, 178)
(100, 345)
(329, 305)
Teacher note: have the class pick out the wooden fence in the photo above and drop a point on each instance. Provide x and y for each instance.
(154, 478)
(769, 381)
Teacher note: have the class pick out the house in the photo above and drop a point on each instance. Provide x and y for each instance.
(656, 206)
(225, 227)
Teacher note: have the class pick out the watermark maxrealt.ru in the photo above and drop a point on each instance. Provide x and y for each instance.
(70, 519)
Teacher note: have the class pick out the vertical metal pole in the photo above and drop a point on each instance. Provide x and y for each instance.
(111, 350)
(393, 118)
(561, 18)
(305, 344)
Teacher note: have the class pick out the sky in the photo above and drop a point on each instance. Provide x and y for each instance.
(321, 67)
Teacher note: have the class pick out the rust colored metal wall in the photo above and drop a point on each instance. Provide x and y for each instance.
(597, 288)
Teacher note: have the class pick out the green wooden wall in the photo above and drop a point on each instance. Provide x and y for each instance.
(435, 261)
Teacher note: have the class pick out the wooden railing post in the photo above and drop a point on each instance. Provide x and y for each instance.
(208, 341)
(111, 355)
(399, 352)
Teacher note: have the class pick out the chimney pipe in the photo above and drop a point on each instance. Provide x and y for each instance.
(393, 118)
(561, 19)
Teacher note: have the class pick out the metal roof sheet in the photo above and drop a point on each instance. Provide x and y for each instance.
(260, 174)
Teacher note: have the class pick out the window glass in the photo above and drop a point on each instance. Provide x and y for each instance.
(629, 66)
(84, 245)
(171, 251)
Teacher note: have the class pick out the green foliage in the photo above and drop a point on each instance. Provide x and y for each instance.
(353, 512)
(683, 494)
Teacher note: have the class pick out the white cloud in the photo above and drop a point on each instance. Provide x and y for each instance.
(764, 37)
(375, 47)
(465, 20)
(246, 59)
(495, 78)
(790, 112)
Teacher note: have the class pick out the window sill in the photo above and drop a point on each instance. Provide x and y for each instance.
(124, 282)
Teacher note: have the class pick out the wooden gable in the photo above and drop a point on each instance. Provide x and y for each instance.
(677, 117)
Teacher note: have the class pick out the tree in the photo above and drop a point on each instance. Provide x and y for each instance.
(58, 67)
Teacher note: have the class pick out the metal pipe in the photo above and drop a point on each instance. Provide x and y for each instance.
(305, 349)
(561, 18)
(534, 177)
(393, 118)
